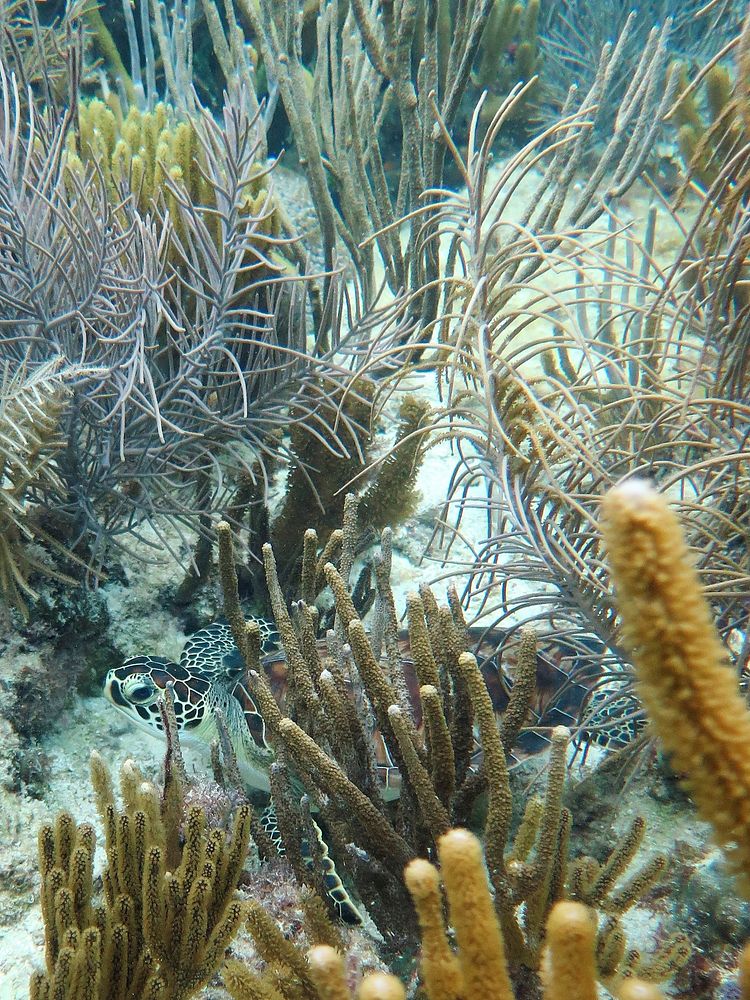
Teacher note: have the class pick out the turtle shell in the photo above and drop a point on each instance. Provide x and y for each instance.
(557, 700)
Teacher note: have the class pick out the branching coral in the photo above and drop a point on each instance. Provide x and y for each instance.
(695, 708)
(712, 263)
(318, 474)
(685, 681)
(152, 266)
(573, 33)
(169, 909)
(38, 50)
(142, 151)
(510, 55)
(205, 341)
(706, 144)
(469, 961)
(196, 353)
(323, 739)
(667, 624)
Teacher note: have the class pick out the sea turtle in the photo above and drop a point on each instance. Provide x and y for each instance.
(612, 716)
(210, 675)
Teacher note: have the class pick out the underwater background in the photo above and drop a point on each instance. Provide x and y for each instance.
(374, 518)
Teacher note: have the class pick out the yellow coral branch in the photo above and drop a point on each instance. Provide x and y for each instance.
(481, 953)
(686, 685)
(569, 969)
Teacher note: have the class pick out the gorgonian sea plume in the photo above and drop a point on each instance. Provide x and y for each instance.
(196, 331)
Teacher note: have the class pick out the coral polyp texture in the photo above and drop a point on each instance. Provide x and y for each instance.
(685, 679)
(168, 911)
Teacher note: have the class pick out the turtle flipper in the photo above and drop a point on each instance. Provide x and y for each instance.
(612, 719)
(343, 904)
(270, 826)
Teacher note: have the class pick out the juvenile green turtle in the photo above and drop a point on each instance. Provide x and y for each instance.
(210, 675)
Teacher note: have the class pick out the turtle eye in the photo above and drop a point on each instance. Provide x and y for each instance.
(140, 690)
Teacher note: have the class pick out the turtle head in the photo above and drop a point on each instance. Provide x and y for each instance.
(136, 687)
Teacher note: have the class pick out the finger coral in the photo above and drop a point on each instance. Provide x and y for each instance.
(392, 749)
(685, 681)
(157, 932)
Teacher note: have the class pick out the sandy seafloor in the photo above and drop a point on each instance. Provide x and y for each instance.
(139, 624)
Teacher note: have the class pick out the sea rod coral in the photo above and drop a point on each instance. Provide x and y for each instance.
(684, 677)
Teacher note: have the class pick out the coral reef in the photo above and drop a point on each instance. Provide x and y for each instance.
(176, 361)
(213, 343)
(573, 33)
(712, 119)
(322, 742)
(594, 379)
(175, 353)
(636, 520)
